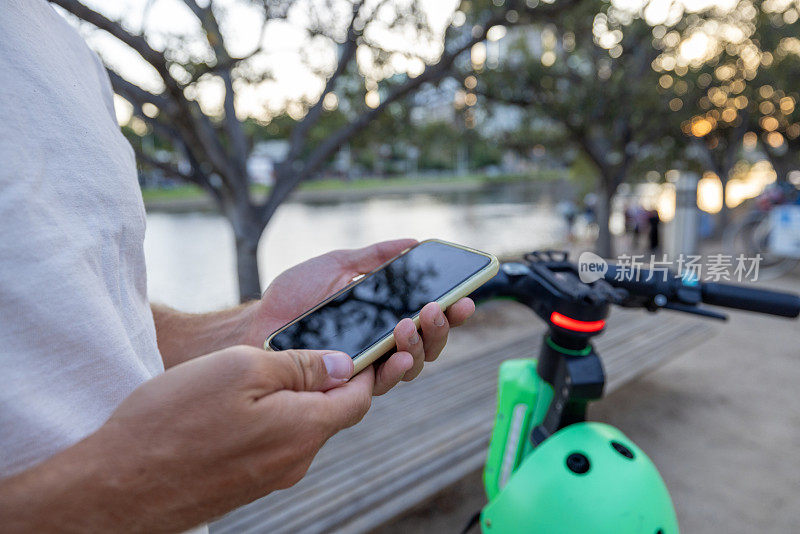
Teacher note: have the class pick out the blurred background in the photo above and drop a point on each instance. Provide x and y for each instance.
(270, 131)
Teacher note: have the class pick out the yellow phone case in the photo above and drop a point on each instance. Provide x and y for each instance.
(386, 343)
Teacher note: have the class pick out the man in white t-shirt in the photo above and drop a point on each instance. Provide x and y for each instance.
(94, 433)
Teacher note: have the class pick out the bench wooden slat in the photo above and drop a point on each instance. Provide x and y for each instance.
(428, 433)
(397, 456)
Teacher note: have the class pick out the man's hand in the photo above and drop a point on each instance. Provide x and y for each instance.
(183, 336)
(205, 437)
(304, 286)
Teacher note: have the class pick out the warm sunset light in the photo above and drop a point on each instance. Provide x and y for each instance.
(665, 202)
(774, 139)
(769, 123)
(709, 193)
(729, 114)
(372, 99)
(701, 127)
(478, 55)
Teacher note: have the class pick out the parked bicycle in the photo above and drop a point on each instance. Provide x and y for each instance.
(771, 230)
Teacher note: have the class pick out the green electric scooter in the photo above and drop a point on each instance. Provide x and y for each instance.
(549, 470)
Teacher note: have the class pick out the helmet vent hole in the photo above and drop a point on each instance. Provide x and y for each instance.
(660, 531)
(578, 463)
(627, 453)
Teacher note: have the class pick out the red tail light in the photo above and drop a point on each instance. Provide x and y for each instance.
(573, 324)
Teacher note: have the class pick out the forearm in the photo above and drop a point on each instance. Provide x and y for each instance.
(183, 336)
(57, 495)
(89, 488)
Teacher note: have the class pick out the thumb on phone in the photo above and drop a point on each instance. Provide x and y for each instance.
(308, 370)
(323, 385)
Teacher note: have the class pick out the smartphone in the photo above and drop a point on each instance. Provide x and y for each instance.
(359, 319)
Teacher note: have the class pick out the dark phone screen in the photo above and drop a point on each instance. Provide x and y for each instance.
(359, 317)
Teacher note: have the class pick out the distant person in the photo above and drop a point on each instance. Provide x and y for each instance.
(641, 225)
(705, 227)
(569, 212)
(630, 223)
(590, 208)
(119, 415)
(628, 214)
(653, 232)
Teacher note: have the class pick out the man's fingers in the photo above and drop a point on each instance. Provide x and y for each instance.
(390, 372)
(408, 340)
(306, 370)
(460, 312)
(346, 405)
(364, 260)
(434, 330)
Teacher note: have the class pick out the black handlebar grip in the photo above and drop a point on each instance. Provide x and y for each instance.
(746, 298)
(495, 287)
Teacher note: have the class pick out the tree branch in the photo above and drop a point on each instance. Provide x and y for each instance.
(205, 68)
(333, 142)
(431, 73)
(132, 91)
(137, 97)
(193, 123)
(233, 127)
(168, 168)
(196, 177)
(137, 42)
(299, 136)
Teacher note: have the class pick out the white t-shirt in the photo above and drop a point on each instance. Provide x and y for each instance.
(76, 330)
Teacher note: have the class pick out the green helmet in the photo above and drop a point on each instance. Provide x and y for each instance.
(585, 478)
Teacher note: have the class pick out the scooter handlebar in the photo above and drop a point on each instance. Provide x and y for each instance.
(750, 299)
(645, 289)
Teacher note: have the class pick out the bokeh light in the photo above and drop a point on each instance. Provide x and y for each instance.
(709, 193)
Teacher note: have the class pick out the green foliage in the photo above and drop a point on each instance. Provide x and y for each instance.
(438, 142)
(583, 173)
(588, 71)
(378, 184)
(395, 138)
(742, 91)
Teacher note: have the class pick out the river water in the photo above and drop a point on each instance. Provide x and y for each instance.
(191, 262)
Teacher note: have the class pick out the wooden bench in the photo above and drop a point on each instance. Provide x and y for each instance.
(429, 433)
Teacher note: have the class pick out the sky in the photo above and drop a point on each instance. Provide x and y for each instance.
(287, 48)
(289, 54)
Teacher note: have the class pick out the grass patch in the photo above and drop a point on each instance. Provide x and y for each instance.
(184, 192)
(174, 193)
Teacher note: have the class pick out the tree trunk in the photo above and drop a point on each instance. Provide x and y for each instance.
(604, 246)
(247, 266)
(248, 222)
(724, 215)
(247, 229)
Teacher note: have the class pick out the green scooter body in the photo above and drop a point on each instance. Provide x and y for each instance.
(522, 402)
(616, 494)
